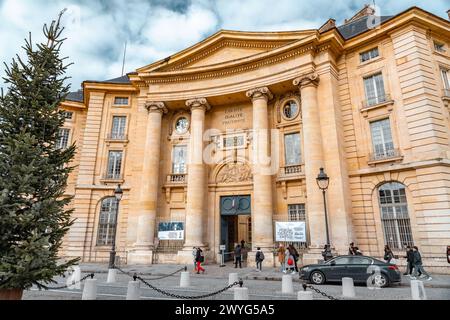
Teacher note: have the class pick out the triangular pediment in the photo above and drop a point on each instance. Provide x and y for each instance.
(224, 47)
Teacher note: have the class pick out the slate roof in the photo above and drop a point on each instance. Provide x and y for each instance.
(352, 29)
(75, 96)
(119, 80)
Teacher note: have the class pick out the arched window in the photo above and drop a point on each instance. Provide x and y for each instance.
(394, 215)
(107, 221)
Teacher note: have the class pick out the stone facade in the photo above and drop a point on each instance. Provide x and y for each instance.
(231, 91)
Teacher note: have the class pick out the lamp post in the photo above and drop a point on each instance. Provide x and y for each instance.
(323, 181)
(118, 193)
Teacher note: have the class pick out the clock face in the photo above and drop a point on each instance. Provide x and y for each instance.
(182, 125)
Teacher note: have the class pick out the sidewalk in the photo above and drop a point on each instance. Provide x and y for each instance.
(214, 271)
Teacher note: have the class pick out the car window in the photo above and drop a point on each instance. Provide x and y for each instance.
(360, 260)
(343, 260)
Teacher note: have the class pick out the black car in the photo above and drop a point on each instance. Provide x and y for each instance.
(360, 268)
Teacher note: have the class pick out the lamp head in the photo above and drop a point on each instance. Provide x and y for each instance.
(323, 180)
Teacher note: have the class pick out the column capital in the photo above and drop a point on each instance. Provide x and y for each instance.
(198, 103)
(260, 93)
(156, 106)
(311, 79)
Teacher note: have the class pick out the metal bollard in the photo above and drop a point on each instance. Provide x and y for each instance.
(112, 273)
(305, 295)
(134, 290)
(90, 290)
(418, 290)
(286, 285)
(232, 278)
(185, 280)
(348, 288)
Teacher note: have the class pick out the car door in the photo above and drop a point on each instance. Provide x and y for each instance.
(337, 268)
(357, 268)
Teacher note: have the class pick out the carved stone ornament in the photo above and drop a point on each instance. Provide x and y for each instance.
(311, 79)
(155, 106)
(260, 93)
(198, 103)
(235, 172)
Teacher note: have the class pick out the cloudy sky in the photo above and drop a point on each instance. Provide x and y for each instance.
(155, 29)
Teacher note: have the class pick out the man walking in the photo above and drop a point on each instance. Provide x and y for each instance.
(418, 267)
(238, 256)
(409, 261)
(259, 259)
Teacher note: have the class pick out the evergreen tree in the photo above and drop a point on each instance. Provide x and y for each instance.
(33, 171)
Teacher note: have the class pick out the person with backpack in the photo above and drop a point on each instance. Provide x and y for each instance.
(409, 261)
(259, 259)
(238, 256)
(418, 267)
(199, 258)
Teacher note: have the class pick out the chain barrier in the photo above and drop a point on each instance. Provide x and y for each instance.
(172, 295)
(318, 291)
(91, 275)
(158, 278)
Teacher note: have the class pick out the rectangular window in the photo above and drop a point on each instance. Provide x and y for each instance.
(374, 87)
(297, 212)
(179, 159)
(292, 149)
(445, 73)
(114, 165)
(121, 101)
(68, 115)
(439, 47)
(107, 221)
(118, 128)
(383, 145)
(63, 138)
(370, 54)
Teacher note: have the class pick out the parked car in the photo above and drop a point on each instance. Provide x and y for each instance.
(360, 268)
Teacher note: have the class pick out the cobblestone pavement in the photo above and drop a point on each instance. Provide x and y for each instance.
(266, 286)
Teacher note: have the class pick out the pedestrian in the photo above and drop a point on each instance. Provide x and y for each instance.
(409, 261)
(242, 244)
(388, 254)
(238, 256)
(358, 252)
(289, 261)
(295, 255)
(199, 258)
(326, 253)
(194, 255)
(418, 267)
(259, 259)
(351, 249)
(282, 257)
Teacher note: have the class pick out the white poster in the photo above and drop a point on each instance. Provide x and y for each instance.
(171, 231)
(292, 231)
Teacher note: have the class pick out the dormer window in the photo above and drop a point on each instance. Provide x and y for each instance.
(368, 55)
(121, 101)
(439, 47)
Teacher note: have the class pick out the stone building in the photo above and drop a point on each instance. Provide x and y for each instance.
(227, 137)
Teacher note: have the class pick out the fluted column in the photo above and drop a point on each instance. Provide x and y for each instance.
(262, 213)
(196, 180)
(314, 159)
(142, 252)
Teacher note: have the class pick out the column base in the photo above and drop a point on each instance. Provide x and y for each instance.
(140, 257)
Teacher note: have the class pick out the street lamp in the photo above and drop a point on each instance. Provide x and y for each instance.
(323, 181)
(118, 193)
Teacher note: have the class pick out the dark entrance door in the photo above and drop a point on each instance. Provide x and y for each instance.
(231, 207)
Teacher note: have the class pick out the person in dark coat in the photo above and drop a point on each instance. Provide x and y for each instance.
(200, 258)
(409, 261)
(259, 257)
(326, 253)
(418, 267)
(294, 253)
(238, 256)
(351, 249)
(388, 254)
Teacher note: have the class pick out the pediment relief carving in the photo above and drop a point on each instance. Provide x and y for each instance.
(235, 172)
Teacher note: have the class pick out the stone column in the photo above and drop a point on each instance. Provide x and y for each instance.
(262, 213)
(196, 181)
(142, 252)
(313, 159)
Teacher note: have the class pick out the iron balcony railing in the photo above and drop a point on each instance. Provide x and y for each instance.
(387, 154)
(177, 178)
(117, 136)
(293, 169)
(373, 101)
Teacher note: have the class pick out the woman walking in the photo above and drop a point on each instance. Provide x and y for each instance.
(388, 254)
(282, 257)
(200, 258)
(295, 256)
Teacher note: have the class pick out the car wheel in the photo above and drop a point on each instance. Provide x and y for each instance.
(317, 277)
(380, 280)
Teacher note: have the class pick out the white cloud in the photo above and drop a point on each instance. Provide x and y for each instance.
(155, 29)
